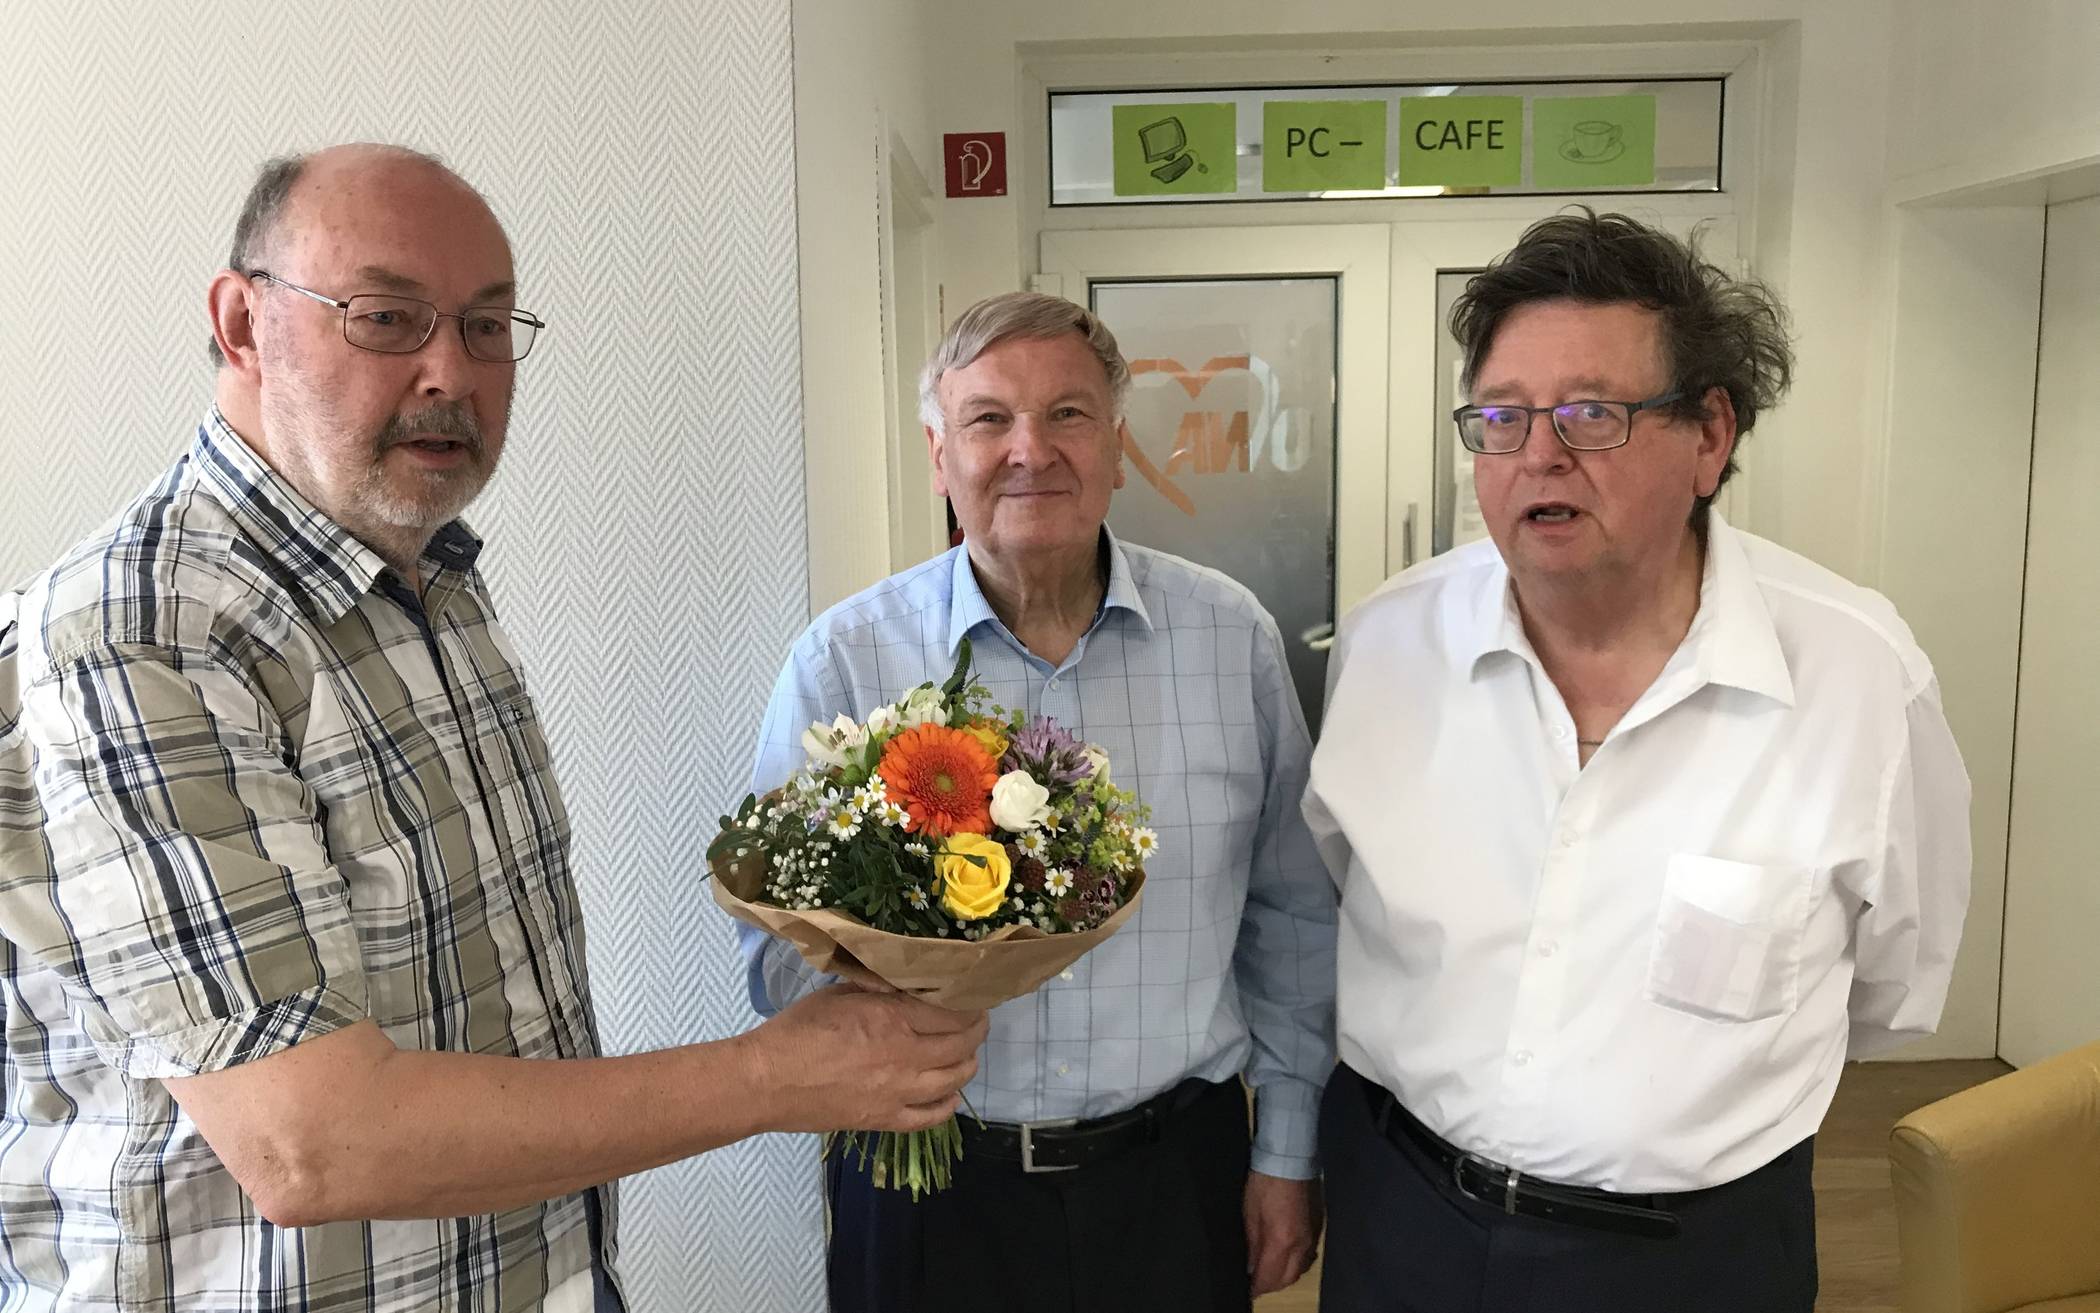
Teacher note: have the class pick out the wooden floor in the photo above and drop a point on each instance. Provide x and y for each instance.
(1855, 1213)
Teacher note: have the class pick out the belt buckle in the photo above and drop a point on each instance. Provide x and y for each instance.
(1510, 1177)
(1028, 1162)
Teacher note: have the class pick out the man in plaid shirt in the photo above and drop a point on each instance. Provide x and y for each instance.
(292, 971)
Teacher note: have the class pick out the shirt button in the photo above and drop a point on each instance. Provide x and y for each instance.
(1565, 839)
(1560, 732)
(1547, 949)
(1064, 975)
(1064, 1068)
(1053, 686)
(1522, 1057)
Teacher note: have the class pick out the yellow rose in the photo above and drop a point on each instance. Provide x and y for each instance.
(971, 892)
(991, 734)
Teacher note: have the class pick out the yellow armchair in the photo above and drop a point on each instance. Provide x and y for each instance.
(1998, 1193)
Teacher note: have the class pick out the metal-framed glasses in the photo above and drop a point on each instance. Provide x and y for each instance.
(1585, 425)
(398, 325)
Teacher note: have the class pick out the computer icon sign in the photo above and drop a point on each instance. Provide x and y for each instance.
(1166, 144)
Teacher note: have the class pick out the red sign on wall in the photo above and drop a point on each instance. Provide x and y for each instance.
(976, 163)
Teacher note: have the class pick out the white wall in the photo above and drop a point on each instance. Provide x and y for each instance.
(1967, 284)
(863, 70)
(645, 537)
(1989, 93)
(1994, 111)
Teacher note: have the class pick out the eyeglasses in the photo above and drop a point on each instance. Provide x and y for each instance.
(397, 325)
(1581, 425)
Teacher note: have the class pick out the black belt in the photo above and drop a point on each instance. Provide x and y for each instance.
(1060, 1146)
(1506, 1188)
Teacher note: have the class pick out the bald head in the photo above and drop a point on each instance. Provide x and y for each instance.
(389, 438)
(290, 189)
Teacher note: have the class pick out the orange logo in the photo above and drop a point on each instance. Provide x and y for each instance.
(1207, 441)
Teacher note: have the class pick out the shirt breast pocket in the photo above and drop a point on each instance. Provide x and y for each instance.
(1728, 938)
(520, 773)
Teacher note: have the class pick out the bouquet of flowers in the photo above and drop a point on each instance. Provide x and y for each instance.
(954, 850)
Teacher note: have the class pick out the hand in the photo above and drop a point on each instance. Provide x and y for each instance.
(844, 1059)
(1283, 1230)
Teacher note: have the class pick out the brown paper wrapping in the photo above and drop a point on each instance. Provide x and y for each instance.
(955, 973)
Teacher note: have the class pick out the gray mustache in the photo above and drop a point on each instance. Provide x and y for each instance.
(453, 421)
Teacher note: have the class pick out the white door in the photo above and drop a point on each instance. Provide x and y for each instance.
(2050, 999)
(1256, 422)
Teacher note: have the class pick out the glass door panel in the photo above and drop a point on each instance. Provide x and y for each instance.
(1231, 447)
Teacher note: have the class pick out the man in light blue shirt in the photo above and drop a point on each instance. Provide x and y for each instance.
(1134, 1184)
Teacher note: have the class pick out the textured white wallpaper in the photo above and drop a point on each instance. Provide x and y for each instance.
(646, 533)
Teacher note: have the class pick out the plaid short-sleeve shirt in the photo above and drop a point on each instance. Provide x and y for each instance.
(254, 790)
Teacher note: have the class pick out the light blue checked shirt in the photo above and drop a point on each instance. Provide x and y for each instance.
(1228, 966)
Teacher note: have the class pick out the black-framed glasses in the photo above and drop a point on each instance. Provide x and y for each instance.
(1584, 425)
(397, 325)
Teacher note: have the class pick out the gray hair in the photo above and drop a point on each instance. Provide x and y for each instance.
(263, 210)
(1019, 314)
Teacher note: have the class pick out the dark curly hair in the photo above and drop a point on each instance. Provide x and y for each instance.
(1717, 330)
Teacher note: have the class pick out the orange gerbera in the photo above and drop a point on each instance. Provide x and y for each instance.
(943, 777)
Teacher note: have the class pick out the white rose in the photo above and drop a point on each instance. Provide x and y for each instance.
(1019, 804)
(1097, 759)
(924, 705)
(831, 745)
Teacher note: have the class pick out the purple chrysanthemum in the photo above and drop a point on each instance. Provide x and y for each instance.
(1049, 753)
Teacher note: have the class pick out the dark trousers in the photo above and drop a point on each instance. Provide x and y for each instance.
(1401, 1238)
(1157, 1228)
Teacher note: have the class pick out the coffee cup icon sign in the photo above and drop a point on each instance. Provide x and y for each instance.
(1593, 141)
(1166, 145)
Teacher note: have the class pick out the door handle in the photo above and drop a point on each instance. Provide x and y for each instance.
(1320, 637)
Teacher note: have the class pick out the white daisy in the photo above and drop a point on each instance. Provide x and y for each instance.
(892, 815)
(844, 823)
(916, 897)
(1058, 883)
(1143, 842)
(916, 849)
(871, 795)
(1033, 843)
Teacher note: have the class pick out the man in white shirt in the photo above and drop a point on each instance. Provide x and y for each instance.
(1643, 825)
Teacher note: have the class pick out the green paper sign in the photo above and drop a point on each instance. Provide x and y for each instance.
(1592, 141)
(1176, 150)
(1323, 145)
(1461, 141)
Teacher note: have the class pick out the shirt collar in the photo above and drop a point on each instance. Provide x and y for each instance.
(1732, 640)
(312, 555)
(968, 607)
